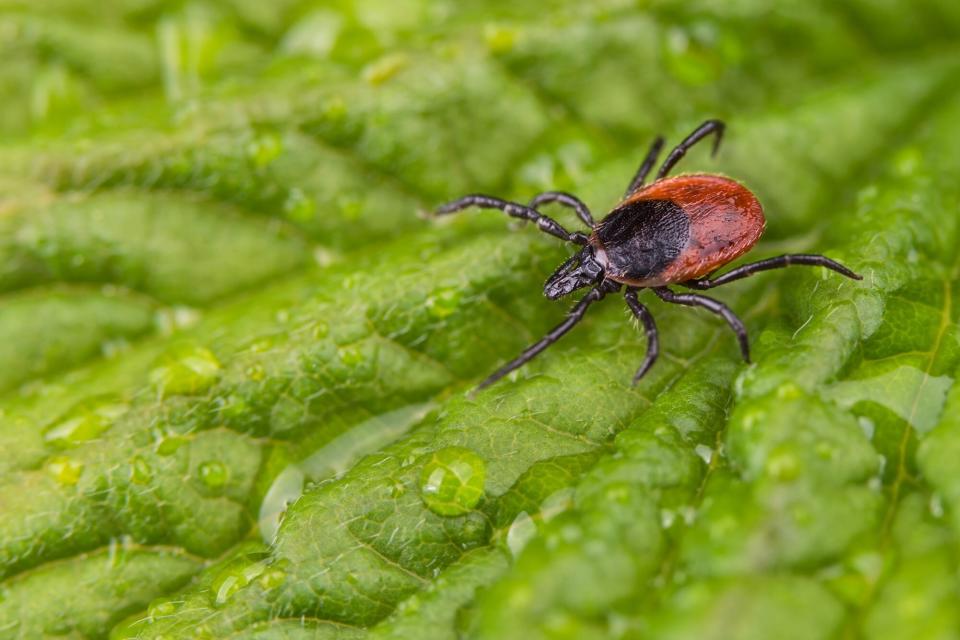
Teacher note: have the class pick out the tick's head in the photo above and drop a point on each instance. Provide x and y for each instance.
(580, 270)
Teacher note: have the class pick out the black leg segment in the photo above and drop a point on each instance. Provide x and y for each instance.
(645, 166)
(576, 315)
(653, 340)
(701, 132)
(567, 200)
(717, 307)
(514, 210)
(772, 263)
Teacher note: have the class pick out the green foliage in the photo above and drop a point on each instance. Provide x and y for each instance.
(232, 400)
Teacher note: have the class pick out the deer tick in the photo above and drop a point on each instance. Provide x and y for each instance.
(674, 231)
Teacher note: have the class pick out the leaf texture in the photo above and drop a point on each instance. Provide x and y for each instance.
(235, 355)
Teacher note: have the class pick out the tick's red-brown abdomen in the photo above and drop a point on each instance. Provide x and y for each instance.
(725, 220)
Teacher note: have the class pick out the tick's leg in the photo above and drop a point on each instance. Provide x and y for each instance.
(645, 166)
(575, 316)
(717, 307)
(701, 132)
(772, 263)
(653, 341)
(567, 200)
(514, 210)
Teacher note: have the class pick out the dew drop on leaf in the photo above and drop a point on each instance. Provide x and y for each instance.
(320, 330)
(214, 474)
(140, 471)
(350, 356)
(451, 483)
(264, 149)
(705, 453)
(85, 421)
(65, 470)
(286, 488)
(185, 370)
(272, 579)
(169, 444)
(234, 578)
(783, 466)
(521, 531)
(443, 303)
(299, 207)
(162, 608)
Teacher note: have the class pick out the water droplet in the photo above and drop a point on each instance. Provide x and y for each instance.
(667, 518)
(908, 161)
(705, 452)
(825, 450)
(264, 149)
(381, 70)
(789, 391)
(214, 474)
(556, 503)
(320, 330)
(521, 531)
(299, 207)
(783, 466)
(185, 370)
(451, 483)
(163, 608)
(140, 471)
(339, 455)
(262, 345)
(234, 578)
(255, 372)
(286, 488)
(84, 422)
(397, 489)
(499, 39)
(443, 303)
(232, 407)
(866, 424)
(172, 319)
(169, 444)
(936, 505)
(313, 35)
(324, 257)
(272, 579)
(65, 470)
(350, 356)
(112, 348)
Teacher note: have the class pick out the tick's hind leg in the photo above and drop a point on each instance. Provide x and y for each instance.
(717, 307)
(645, 166)
(701, 132)
(514, 210)
(575, 316)
(772, 263)
(653, 341)
(567, 200)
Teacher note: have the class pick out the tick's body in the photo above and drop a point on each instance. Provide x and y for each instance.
(677, 229)
(673, 231)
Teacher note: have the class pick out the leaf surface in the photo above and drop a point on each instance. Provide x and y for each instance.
(235, 357)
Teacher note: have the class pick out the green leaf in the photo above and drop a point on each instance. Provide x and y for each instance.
(235, 355)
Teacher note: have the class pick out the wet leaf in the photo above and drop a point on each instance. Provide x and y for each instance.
(236, 355)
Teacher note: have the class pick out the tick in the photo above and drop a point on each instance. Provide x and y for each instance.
(674, 231)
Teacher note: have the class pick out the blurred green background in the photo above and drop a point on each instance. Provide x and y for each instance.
(219, 296)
